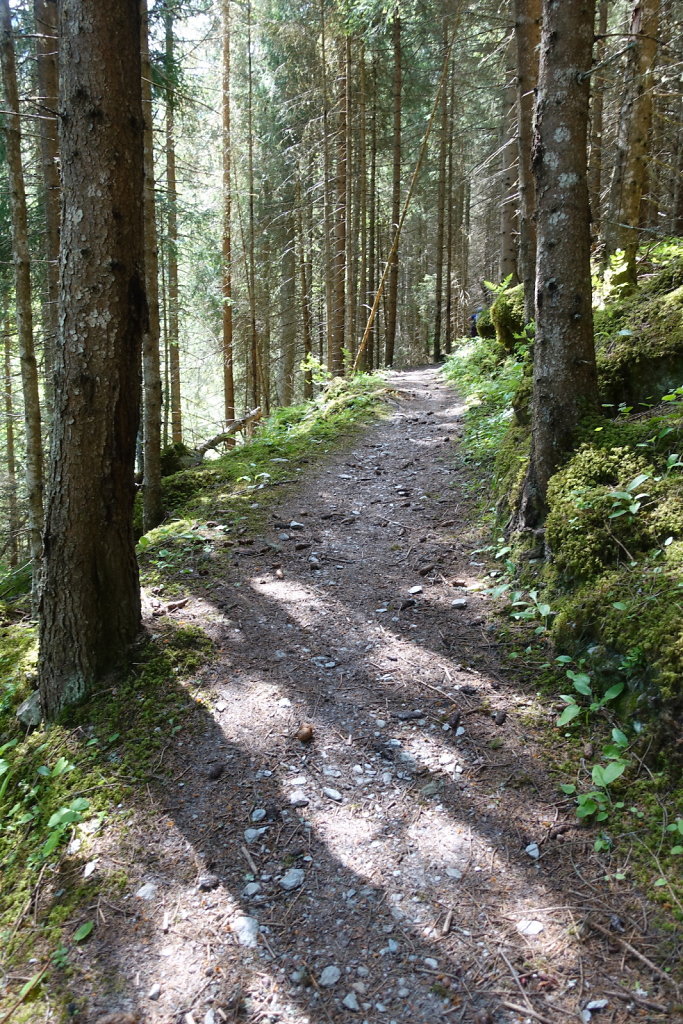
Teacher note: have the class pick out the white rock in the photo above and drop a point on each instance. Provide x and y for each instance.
(298, 798)
(532, 850)
(292, 879)
(209, 1017)
(597, 1004)
(526, 927)
(332, 794)
(330, 976)
(251, 889)
(147, 891)
(246, 930)
(454, 873)
(431, 962)
(259, 814)
(154, 992)
(415, 590)
(459, 602)
(351, 1002)
(29, 712)
(252, 834)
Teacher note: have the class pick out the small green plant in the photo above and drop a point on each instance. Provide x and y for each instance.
(627, 502)
(597, 802)
(581, 682)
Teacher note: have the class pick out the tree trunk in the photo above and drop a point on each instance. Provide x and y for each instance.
(450, 233)
(635, 123)
(565, 379)
(441, 216)
(508, 206)
(597, 108)
(288, 317)
(22, 283)
(305, 289)
(12, 505)
(228, 375)
(335, 360)
(372, 277)
(90, 599)
(328, 215)
(255, 355)
(361, 283)
(392, 291)
(527, 38)
(173, 338)
(45, 14)
(152, 511)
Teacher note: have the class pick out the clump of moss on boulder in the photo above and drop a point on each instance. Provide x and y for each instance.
(507, 317)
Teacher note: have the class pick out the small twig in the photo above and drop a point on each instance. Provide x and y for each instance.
(631, 997)
(515, 977)
(526, 1009)
(27, 991)
(249, 859)
(634, 952)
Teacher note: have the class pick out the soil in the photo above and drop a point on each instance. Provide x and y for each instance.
(360, 824)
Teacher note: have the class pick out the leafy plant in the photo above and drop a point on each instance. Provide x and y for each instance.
(627, 502)
(582, 684)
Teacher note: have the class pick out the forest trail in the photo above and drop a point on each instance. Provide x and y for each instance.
(411, 863)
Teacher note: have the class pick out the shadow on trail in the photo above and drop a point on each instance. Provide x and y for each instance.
(388, 850)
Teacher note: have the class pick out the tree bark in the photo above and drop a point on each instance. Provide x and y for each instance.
(597, 109)
(441, 217)
(228, 359)
(90, 598)
(255, 356)
(152, 511)
(12, 503)
(392, 291)
(288, 317)
(45, 15)
(335, 361)
(173, 337)
(508, 205)
(22, 284)
(527, 38)
(565, 379)
(635, 123)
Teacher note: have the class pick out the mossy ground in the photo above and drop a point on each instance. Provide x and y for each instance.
(613, 572)
(104, 750)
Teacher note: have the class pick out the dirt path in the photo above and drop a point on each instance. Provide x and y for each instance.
(412, 862)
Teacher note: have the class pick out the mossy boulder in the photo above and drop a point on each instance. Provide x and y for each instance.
(485, 326)
(176, 457)
(507, 317)
(639, 347)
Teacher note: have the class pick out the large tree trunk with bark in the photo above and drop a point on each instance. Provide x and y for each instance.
(635, 123)
(597, 109)
(173, 333)
(528, 38)
(565, 379)
(22, 284)
(228, 373)
(152, 511)
(508, 200)
(392, 290)
(45, 15)
(90, 598)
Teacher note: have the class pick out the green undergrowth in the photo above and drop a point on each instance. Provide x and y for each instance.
(602, 586)
(63, 786)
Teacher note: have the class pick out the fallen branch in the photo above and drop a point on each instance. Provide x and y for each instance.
(251, 417)
(634, 952)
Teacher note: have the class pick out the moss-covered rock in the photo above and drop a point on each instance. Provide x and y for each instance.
(507, 317)
(485, 327)
(639, 347)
